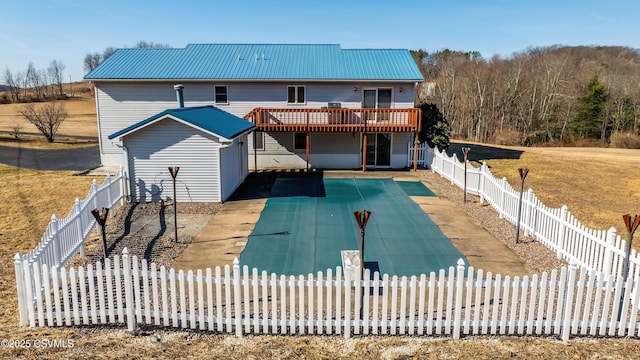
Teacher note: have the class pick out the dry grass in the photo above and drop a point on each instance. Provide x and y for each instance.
(30, 197)
(80, 122)
(597, 185)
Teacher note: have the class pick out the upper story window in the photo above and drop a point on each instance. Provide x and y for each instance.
(221, 94)
(296, 95)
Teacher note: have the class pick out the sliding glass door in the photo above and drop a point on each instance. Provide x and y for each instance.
(379, 149)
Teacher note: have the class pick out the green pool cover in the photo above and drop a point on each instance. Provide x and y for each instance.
(307, 221)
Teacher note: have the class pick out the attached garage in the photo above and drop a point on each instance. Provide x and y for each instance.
(207, 144)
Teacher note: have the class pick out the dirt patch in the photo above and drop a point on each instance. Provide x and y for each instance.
(147, 230)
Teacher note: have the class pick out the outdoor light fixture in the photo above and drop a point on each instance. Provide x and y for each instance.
(401, 89)
(355, 89)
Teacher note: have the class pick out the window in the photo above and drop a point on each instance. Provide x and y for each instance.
(221, 94)
(299, 141)
(258, 140)
(296, 95)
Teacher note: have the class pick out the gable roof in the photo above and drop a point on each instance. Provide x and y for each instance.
(208, 119)
(258, 62)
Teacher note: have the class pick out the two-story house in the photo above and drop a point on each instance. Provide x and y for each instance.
(316, 106)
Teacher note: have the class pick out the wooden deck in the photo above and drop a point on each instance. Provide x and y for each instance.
(336, 120)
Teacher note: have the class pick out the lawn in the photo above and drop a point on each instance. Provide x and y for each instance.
(596, 184)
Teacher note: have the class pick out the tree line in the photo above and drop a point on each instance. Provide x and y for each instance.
(557, 94)
(34, 84)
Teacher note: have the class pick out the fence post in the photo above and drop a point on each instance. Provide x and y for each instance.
(79, 226)
(568, 303)
(94, 192)
(20, 283)
(503, 195)
(457, 314)
(347, 300)
(527, 218)
(107, 181)
(608, 252)
(454, 161)
(128, 290)
(237, 304)
(561, 230)
(55, 242)
(483, 173)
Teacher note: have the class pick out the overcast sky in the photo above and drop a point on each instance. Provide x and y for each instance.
(66, 30)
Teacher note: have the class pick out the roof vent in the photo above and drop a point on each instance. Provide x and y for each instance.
(179, 94)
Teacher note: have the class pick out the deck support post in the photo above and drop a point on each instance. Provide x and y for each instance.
(415, 153)
(307, 150)
(255, 152)
(364, 152)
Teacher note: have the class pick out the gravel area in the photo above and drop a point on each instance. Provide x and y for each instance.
(536, 255)
(155, 246)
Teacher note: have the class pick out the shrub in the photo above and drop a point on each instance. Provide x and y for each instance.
(625, 140)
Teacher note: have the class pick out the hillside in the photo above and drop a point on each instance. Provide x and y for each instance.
(537, 96)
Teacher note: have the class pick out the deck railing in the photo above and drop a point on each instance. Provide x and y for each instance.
(336, 119)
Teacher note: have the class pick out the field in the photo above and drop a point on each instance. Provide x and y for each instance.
(79, 129)
(596, 184)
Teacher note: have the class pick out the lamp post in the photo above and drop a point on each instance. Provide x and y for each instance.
(101, 219)
(465, 152)
(523, 175)
(631, 225)
(173, 170)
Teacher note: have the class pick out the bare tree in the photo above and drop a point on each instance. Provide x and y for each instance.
(46, 118)
(91, 61)
(13, 82)
(56, 74)
(108, 51)
(34, 80)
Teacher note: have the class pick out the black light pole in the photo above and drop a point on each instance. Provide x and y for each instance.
(523, 175)
(173, 170)
(101, 219)
(362, 218)
(631, 225)
(465, 152)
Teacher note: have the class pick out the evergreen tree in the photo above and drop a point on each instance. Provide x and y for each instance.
(435, 128)
(590, 117)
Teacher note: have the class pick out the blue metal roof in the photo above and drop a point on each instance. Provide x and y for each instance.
(206, 118)
(258, 62)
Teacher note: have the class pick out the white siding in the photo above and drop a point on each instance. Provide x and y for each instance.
(123, 104)
(153, 149)
(233, 166)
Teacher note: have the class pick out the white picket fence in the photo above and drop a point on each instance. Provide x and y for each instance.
(456, 302)
(63, 238)
(559, 230)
